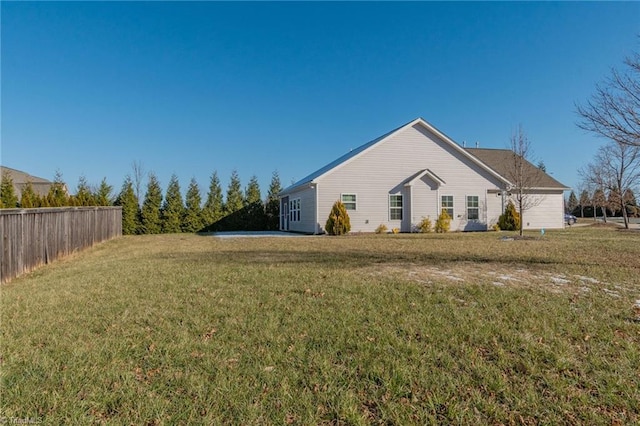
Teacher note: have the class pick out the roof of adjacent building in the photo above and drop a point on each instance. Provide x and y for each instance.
(20, 179)
(500, 159)
(493, 160)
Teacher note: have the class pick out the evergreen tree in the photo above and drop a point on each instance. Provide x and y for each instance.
(630, 202)
(150, 222)
(573, 202)
(585, 200)
(57, 196)
(443, 223)
(235, 200)
(29, 199)
(193, 216)
(629, 197)
(213, 209)
(272, 207)
(173, 207)
(130, 207)
(83, 195)
(254, 218)
(102, 196)
(600, 200)
(8, 196)
(510, 219)
(614, 201)
(338, 222)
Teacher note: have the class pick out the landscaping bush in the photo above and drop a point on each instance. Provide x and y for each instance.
(381, 229)
(510, 219)
(338, 222)
(425, 225)
(443, 224)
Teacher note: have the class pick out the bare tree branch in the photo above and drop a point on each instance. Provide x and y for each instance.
(613, 112)
(523, 175)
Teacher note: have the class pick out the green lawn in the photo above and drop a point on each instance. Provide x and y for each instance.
(372, 329)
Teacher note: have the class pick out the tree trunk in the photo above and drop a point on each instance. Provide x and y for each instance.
(624, 214)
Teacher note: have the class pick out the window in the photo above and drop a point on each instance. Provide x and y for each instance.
(473, 211)
(349, 201)
(395, 207)
(294, 210)
(447, 204)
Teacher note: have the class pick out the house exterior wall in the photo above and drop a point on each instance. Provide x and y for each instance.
(307, 222)
(548, 211)
(385, 168)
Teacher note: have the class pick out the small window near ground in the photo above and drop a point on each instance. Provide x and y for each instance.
(349, 201)
(473, 211)
(395, 207)
(294, 210)
(447, 204)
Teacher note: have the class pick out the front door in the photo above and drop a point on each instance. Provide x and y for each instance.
(284, 213)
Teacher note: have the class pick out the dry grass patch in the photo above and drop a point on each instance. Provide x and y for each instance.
(404, 329)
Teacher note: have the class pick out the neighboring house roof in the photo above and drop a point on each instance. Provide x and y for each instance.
(313, 177)
(500, 159)
(20, 179)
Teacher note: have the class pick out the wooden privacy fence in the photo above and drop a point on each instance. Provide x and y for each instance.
(32, 237)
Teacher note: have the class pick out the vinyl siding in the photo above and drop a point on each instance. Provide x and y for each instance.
(548, 213)
(307, 223)
(388, 165)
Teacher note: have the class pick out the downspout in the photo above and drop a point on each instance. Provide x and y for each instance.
(317, 224)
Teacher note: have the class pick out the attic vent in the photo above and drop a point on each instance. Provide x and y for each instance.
(477, 144)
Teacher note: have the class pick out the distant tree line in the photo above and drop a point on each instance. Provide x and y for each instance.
(599, 203)
(156, 212)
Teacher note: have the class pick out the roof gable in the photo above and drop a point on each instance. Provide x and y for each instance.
(318, 174)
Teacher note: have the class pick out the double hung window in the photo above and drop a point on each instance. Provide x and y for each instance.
(395, 207)
(294, 210)
(473, 210)
(447, 204)
(349, 201)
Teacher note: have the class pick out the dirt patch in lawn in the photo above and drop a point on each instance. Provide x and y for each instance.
(502, 276)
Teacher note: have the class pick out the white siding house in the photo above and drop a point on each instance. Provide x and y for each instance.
(410, 173)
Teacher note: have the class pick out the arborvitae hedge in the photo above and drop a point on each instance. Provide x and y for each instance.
(150, 222)
(193, 214)
(130, 209)
(173, 207)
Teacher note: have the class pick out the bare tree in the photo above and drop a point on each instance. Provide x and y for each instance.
(523, 175)
(138, 174)
(616, 168)
(613, 111)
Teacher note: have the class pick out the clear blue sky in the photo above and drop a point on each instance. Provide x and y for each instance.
(189, 88)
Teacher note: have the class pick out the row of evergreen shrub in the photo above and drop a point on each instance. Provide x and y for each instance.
(157, 213)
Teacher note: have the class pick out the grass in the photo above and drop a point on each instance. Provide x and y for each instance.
(364, 329)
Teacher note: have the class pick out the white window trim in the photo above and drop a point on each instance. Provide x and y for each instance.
(396, 208)
(453, 206)
(355, 202)
(294, 209)
(466, 198)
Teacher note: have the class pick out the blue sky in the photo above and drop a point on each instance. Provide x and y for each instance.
(191, 88)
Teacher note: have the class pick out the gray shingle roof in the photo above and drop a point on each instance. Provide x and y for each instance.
(40, 185)
(500, 159)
